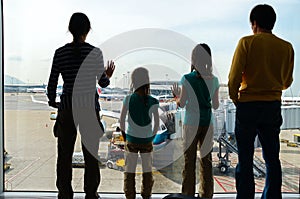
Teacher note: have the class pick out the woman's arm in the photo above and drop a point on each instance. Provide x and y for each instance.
(53, 81)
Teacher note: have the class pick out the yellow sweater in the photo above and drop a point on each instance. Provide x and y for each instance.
(262, 67)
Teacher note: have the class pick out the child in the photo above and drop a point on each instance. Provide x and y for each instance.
(139, 107)
(199, 94)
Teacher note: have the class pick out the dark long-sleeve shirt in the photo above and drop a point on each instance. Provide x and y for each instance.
(81, 67)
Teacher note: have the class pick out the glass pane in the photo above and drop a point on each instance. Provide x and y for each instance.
(158, 35)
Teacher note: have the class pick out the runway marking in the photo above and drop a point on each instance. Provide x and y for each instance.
(219, 183)
(227, 184)
(290, 179)
(37, 101)
(21, 171)
(259, 185)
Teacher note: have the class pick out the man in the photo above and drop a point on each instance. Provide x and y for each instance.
(261, 68)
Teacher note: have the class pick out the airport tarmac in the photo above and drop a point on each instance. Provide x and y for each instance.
(31, 149)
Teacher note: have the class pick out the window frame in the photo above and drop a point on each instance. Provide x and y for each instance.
(2, 190)
(1, 101)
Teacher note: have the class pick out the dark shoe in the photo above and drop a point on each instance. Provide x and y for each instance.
(146, 197)
(92, 196)
(64, 196)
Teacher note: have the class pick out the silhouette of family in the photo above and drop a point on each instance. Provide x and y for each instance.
(262, 66)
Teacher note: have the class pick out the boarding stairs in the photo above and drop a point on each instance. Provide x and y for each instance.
(259, 167)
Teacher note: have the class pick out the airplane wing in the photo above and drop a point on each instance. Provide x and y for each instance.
(110, 114)
(37, 101)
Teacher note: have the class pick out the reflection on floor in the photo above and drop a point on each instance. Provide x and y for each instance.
(52, 195)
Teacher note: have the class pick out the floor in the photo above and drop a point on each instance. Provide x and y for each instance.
(52, 195)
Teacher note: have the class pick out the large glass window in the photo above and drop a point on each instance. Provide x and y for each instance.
(158, 35)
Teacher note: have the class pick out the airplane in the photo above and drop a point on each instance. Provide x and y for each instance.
(290, 100)
(36, 90)
(59, 90)
(162, 134)
(160, 138)
(162, 93)
(108, 95)
(164, 98)
(160, 90)
(25, 88)
(115, 150)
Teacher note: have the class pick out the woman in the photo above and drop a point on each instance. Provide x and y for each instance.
(198, 95)
(79, 64)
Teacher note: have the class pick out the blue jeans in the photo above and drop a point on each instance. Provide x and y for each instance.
(263, 119)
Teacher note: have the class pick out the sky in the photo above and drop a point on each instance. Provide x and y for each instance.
(33, 29)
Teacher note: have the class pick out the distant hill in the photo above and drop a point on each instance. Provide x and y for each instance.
(12, 80)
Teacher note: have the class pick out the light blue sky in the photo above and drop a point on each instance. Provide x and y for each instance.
(33, 29)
